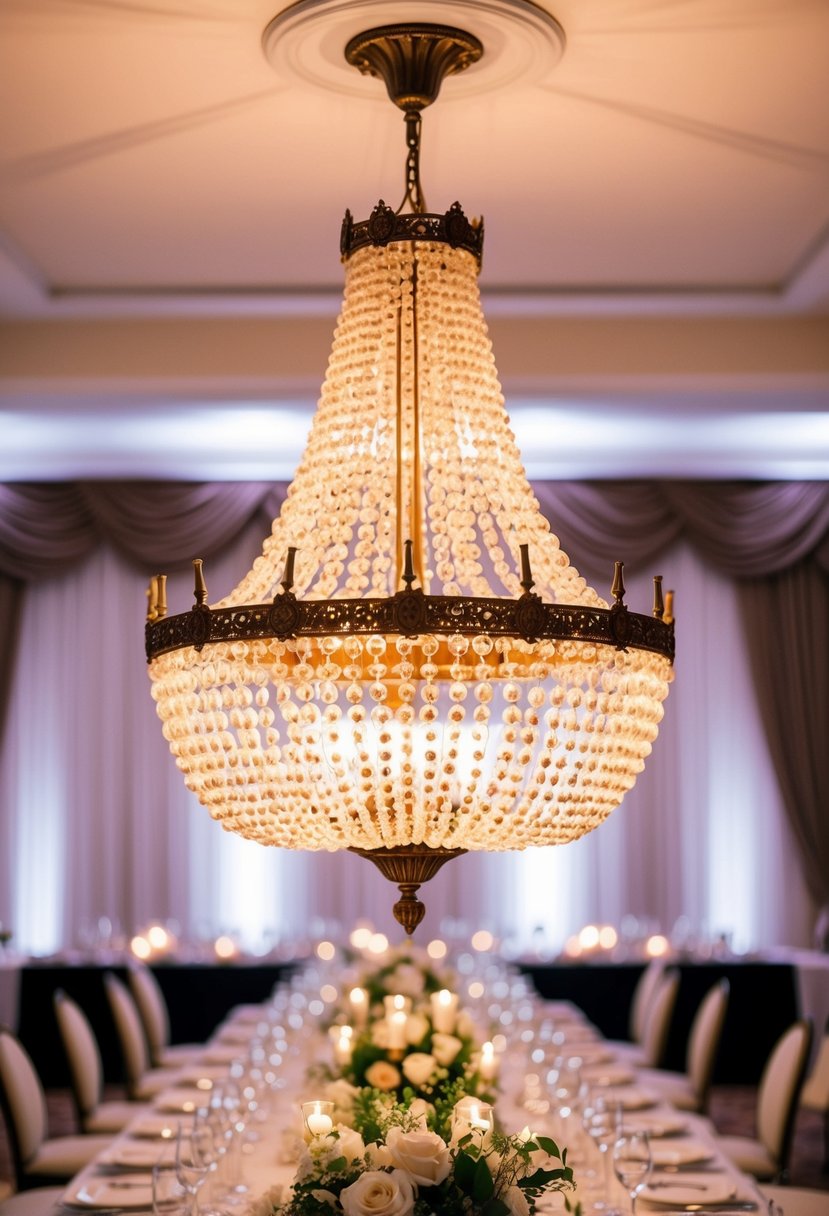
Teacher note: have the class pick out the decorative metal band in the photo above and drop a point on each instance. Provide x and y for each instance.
(410, 613)
(385, 226)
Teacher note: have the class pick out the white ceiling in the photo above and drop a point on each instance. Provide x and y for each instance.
(656, 269)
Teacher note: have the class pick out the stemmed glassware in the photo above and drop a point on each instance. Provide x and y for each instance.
(632, 1163)
(602, 1121)
(194, 1153)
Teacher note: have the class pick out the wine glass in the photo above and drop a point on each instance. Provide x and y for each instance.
(602, 1125)
(632, 1163)
(193, 1157)
(169, 1196)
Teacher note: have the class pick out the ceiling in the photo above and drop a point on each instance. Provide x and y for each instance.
(656, 271)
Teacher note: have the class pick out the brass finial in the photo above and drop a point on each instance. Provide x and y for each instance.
(152, 599)
(200, 591)
(527, 581)
(658, 602)
(618, 588)
(288, 576)
(161, 606)
(668, 618)
(408, 575)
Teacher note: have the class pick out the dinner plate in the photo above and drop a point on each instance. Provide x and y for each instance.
(135, 1154)
(693, 1188)
(634, 1098)
(182, 1101)
(219, 1054)
(607, 1074)
(209, 1073)
(153, 1127)
(657, 1126)
(125, 1191)
(236, 1034)
(681, 1152)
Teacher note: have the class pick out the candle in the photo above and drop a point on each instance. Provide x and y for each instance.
(317, 1116)
(358, 999)
(444, 1010)
(397, 1004)
(488, 1064)
(473, 1116)
(342, 1045)
(396, 1023)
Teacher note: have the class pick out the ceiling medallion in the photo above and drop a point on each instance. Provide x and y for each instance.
(412, 669)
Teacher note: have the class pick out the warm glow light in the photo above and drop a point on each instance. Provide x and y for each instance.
(608, 937)
(475, 990)
(360, 937)
(657, 946)
(225, 947)
(326, 951)
(158, 937)
(482, 940)
(589, 937)
(328, 993)
(140, 947)
(572, 947)
(437, 949)
(378, 943)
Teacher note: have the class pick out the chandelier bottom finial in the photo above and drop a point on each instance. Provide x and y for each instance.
(409, 866)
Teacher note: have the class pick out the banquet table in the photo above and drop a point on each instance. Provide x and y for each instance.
(691, 1174)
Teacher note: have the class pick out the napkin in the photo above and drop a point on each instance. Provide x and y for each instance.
(135, 1154)
(691, 1188)
(153, 1127)
(180, 1101)
(680, 1152)
(125, 1191)
(663, 1124)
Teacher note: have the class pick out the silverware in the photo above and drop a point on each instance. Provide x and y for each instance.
(688, 1186)
(737, 1205)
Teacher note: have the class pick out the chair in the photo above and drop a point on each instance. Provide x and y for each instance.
(815, 1092)
(149, 1000)
(790, 1200)
(636, 1052)
(35, 1158)
(690, 1090)
(143, 1082)
(767, 1157)
(40, 1201)
(86, 1072)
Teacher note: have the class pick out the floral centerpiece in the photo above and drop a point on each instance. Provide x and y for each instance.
(406, 970)
(392, 1164)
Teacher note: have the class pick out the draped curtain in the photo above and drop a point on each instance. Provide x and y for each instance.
(773, 538)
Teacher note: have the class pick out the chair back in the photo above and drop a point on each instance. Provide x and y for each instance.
(643, 994)
(704, 1040)
(779, 1091)
(130, 1032)
(152, 1008)
(23, 1102)
(815, 1092)
(86, 1072)
(658, 1021)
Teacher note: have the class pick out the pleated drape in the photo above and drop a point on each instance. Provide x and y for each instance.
(772, 536)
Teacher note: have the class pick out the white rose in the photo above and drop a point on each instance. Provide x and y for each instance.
(445, 1047)
(464, 1025)
(380, 1034)
(342, 1094)
(348, 1144)
(417, 1026)
(379, 1157)
(421, 1110)
(516, 1201)
(325, 1197)
(379, 1194)
(382, 1075)
(422, 1154)
(418, 1068)
(408, 980)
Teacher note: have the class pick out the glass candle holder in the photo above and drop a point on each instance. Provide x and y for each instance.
(318, 1118)
(472, 1117)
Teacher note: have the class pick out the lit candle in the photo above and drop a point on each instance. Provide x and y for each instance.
(342, 1045)
(317, 1116)
(358, 999)
(397, 1004)
(396, 1023)
(444, 1010)
(488, 1065)
(473, 1116)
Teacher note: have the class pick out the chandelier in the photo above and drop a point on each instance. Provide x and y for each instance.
(412, 669)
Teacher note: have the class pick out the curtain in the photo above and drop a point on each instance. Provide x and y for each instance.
(76, 548)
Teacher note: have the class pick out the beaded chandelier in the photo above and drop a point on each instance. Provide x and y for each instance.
(412, 668)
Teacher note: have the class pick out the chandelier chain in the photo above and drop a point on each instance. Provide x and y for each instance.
(414, 190)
